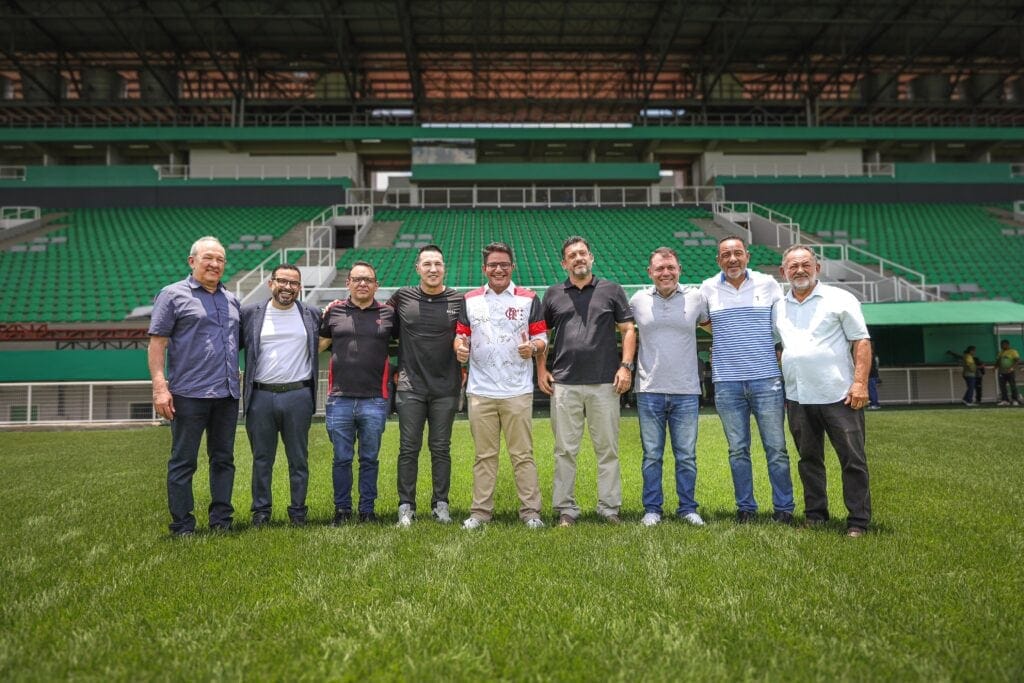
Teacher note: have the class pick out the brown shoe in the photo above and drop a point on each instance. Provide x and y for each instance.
(613, 520)
(854, 532)
(565, 521)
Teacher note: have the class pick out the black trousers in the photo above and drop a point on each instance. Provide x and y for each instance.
(809, 423)
(218, 418)
(415, 411)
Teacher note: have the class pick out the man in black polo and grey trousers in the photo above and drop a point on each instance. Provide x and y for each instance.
(280, 337)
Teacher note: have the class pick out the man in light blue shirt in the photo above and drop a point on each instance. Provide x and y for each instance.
(747, 378)
(825, 384)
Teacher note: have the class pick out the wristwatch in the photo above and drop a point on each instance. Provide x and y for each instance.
(629, 366)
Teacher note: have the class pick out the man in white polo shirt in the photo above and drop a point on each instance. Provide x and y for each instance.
(827, 387)
(668, 383)
(500, 331)
(747, 378)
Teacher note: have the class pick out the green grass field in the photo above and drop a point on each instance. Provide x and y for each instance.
(93, 587)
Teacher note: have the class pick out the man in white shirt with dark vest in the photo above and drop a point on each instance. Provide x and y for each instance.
(827, 387)
(280, 337)
(747, 377)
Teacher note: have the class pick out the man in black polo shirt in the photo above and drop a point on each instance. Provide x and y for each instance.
(427, 383)
(586, 377)
(358, 331)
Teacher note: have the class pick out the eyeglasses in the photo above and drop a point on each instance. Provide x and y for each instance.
(499, 265)
(362, 280)
(290, 284)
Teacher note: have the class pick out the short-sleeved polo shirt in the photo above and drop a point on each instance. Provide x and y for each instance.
(584, 322)
(202, 331)
(667, 352)
(360, 362)
(742, 344)
(816, 333)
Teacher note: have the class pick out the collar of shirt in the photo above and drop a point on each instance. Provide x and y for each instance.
(654, 291)
(746, 277)
(814, 292)
(511, 289)
(195, 284)
(347, 303)
(569, 285)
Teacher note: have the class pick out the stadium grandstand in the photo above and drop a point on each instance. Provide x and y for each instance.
(889, 136)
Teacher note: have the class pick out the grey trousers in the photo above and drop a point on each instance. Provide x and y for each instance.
(597, 405)
(287, 414)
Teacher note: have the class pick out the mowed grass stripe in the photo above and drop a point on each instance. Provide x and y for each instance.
(93, 587)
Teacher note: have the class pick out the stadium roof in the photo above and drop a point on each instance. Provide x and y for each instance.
(770, 61)
(945, 313)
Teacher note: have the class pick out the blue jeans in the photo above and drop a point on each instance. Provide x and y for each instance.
(679, 413)
(972, 389)
(766, 401)
(873, 391)
(218, 418)
(349, 419)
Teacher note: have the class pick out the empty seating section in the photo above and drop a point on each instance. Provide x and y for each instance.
(622, 240)
(106, 262)
(952, 244)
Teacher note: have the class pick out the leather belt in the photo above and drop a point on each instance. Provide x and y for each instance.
(281, 388)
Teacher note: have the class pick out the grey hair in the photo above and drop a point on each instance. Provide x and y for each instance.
(798, 247)
(208, 238)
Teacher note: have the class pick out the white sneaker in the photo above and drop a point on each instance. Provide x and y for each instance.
(693, 518)
(1003, 403)
(441, 513)
(650, 519)
(970, 405)
(535, 523)
(472, 523)
(405, 515)
(1016, 403)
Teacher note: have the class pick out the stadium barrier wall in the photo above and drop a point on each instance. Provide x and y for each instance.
(25, 404)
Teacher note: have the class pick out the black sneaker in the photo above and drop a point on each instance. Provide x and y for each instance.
(744, 516)
(367, 517)
(260, 519)
(782, 517)
(298, 521)
(341, 517)
(221, 528)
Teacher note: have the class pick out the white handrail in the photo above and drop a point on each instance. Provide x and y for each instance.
(534, 196)
(802, 169)
(13, 172)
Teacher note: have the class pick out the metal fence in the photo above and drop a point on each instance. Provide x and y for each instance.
(84, 403)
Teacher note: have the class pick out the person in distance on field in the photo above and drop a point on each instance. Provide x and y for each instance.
(1006, 365)
(826, 387)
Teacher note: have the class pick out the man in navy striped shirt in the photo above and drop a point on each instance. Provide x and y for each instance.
(747, 377)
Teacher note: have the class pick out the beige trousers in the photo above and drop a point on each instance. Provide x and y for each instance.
(488, 417)
(598, 405)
